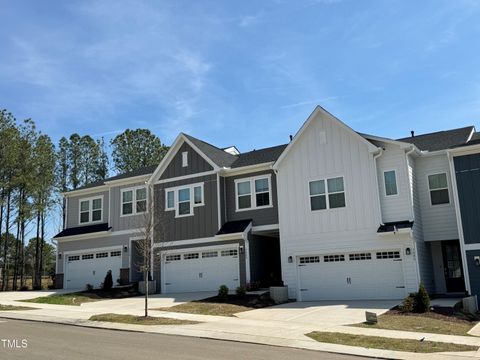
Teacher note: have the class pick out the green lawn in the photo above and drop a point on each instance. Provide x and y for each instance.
(12, 307)
(140, 320)
(207, 308)
(420, 324)
(65, 299)
(376, 342)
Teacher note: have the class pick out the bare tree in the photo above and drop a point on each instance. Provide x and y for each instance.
(150, 252)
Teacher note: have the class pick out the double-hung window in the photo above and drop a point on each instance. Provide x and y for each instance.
(253, 193)
(327, 194)
(438, 186)
(390, 180)
(90, 210)
(184, 198)
(134, 201)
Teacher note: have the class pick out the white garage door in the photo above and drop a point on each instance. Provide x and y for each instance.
(90, 267)
(351, 276)
(202, 270)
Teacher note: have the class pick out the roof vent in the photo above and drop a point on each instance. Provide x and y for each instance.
(291, 137)
(413, 133)
(232, 150)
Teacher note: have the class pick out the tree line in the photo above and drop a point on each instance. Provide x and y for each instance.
(34, 172)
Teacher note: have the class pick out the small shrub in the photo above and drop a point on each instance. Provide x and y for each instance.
(422, 300)
(408, 304)
(89, 287)
(223, 292)
(119, 282)
(241, 292)
(108, 282)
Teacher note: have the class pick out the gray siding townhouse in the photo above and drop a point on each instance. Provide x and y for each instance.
(334, 215)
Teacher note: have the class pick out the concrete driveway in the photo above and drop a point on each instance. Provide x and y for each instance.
(325, 313)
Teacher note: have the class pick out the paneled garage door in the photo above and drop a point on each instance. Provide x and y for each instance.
(202, 270)
(351, 276)
(90, 267)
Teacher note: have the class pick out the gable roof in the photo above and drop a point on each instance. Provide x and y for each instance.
(220, 157)
(259, 156)
(441, 140)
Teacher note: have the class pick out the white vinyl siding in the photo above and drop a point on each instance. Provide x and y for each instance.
(390, 180)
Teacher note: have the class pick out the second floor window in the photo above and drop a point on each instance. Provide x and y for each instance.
(183, 199)
(390, 179)
(253, 193)
(438, 186)
(134, 201)
(90, 210)
(330, 196)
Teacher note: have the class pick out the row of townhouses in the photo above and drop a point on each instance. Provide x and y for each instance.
(334, 215)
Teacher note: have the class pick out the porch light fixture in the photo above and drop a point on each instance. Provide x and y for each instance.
(125, 248)
(477, 260)
(408, 251)
(59, 255)
(290, 259)
(242, 249)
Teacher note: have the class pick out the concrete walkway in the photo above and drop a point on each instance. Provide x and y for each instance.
(276, 332)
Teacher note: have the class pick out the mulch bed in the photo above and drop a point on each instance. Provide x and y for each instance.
(114, 293)
(440, 313)
(251, 301)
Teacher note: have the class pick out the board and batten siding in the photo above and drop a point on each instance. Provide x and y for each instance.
(196, 164)
(265, 216)
(439, 221)
(394, 207)
(73, 208)
(119, 222)
(204, 222)
(352, 228)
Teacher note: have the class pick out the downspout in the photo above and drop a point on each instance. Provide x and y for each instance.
(377, 190)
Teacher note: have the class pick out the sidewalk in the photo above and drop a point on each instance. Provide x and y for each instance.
(276, 333)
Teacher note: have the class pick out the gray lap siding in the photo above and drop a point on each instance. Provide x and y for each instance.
(204, 222)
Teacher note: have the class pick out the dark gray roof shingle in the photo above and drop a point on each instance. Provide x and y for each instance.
(440, 140)
(260, 156)
(218, 156)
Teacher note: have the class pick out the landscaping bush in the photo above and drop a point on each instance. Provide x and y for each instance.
(223, 292)
(89, 287)
(108, 282)
(422, 300)
(408, 304)
(253, 286)
(241, 292)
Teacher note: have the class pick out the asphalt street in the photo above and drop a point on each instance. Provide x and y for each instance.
(35, 340)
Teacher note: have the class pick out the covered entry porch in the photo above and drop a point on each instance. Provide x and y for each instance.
(448, 270)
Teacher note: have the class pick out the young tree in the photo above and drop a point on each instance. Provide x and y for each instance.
(136, 148)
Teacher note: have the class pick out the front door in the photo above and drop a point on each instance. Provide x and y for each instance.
(452, 263)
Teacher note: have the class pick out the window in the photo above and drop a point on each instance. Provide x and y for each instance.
(101, 255)
(74, 258)
(115, 253)
(190, 256)
(360, 256)
(173, 257)
(390, 179)
(330, 198)
(309, 259)
(209, 254)
(134, 201)
(333, 258)
(90, 210)
(185, 159)
(232, 252)
(438, 186)
(254, 193)
(388, 255)
(184, 198)
(87, 256)
(170, 200)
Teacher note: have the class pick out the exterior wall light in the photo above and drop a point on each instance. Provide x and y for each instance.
(242, 249)
(290, 259)
(477, 260)
(125, 248)
(408, 251)
(59, 255)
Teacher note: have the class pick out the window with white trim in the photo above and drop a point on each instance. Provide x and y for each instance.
(134, 201)
(175, 257)
(253, 193)
(101, 255)
(333, 258)
(438, 186)
(115, 253)
(87, 256)
(190, 256)
(309, 259)
(90, 210)
(330, 197)
(390, 180)
(183, 199)
(74, 258)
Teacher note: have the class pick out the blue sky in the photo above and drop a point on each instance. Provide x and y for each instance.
(246, 73)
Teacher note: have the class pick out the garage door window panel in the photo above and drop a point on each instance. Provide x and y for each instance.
(209, 254)
(101, 255)
(87, 256)
(232, 252)
(360, 256)
(309, 259)
(74, 258)
(190, 256)
(115, 253)
(175, 257)
(334, 258)
(388, 255)
(438, 186)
